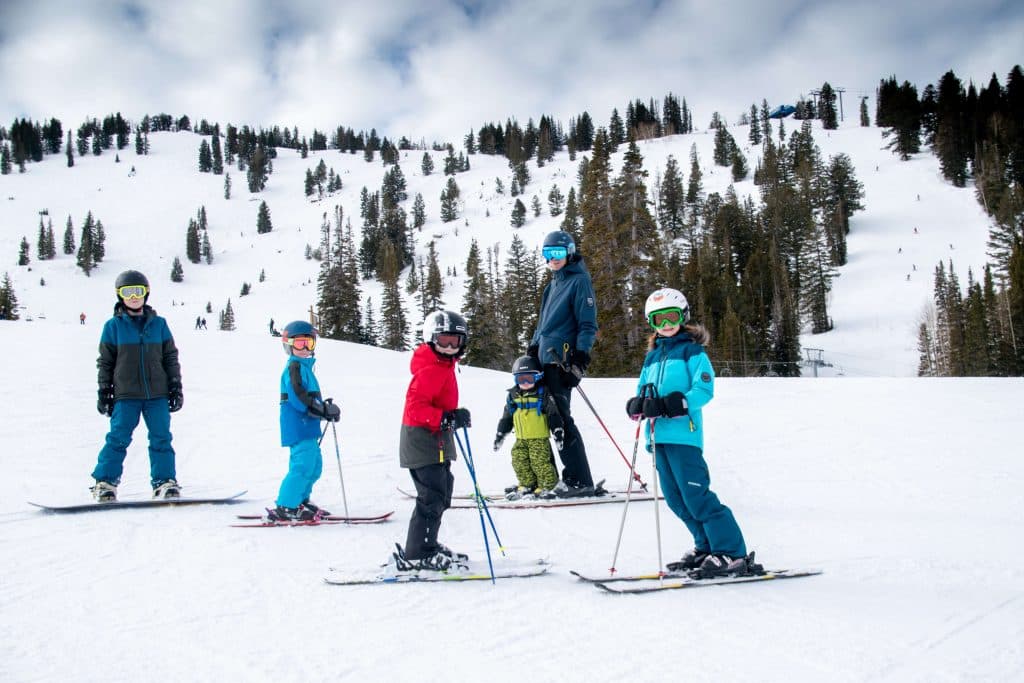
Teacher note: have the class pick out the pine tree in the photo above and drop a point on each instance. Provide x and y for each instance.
(5, 159)
(518, 214)
(227, 186)
(950, 133)
(177, 271)
(218, 157)
(258, 170)
(427, 165)
(263, 222)
(571, 220)
(755, 126)
(23, 259)
(672, 200)
(556, 201)
(433, 285)
(192, 252)
(483, 349)
(227, 318)
(99, 244)
(8, 300)
(449, 201)
(85, 248)
(827, 107)
(69, 238)
(205, 157)
(41, 247)
(394, 327)
(865, 120)
(205, 249)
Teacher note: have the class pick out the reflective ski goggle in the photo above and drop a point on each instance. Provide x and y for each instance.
(555, 253)
(668, 317)
(300, 343)
(528, 377)
(133, 291)
(448, 341)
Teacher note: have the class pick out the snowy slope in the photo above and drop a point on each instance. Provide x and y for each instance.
(905, 491)
(875, 308)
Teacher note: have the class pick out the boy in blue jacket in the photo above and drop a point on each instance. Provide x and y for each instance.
(676, 382)
(301, 412)
(139, 376)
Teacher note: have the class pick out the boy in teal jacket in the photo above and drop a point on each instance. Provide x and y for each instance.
(676, 382)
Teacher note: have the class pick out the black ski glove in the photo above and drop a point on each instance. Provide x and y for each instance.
(498, 439)
(654, 407)
(455, 419)
(328, 410)
(105, 400)
(675, 404)
(635, 408)
(175, 399)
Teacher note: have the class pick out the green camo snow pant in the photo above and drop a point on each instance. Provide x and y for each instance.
(534, 464)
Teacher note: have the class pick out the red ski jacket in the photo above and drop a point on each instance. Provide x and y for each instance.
(432, 390)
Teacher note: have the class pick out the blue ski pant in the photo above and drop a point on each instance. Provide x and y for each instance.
(686, 483)
(123, 422)
(305, 464)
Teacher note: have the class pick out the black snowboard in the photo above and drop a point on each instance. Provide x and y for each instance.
(146, 503)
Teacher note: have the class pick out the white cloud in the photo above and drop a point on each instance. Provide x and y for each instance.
(435, 69)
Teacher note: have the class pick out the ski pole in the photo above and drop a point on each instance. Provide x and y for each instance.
(481, 498)
(480, 504)
(590, 405)
(337, 455)
(629, 484)
(657, 515)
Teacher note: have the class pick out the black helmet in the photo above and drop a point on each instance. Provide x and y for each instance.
(560, 238)
(131, 277)
(445, 322)
(526, 364)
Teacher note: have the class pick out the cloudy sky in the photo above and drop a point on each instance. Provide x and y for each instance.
(433, 69)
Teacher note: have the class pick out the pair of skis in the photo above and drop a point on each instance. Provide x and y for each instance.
(651, 583)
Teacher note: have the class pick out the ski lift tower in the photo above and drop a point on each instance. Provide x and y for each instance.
(815, 359)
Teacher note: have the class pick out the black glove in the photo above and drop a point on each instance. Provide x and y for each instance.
(559, 435)
(675, 404)
(635, 408)
(105, 400)
(498, 439)
(174, 398)
(654, 407)
(455, 419)
(579, 359)
(533, 351)
(332, 411)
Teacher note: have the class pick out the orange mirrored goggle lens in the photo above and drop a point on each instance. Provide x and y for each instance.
(301, 343)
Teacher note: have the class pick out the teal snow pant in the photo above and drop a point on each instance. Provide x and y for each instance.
(685, 482)
(123, 421)
(304, 467)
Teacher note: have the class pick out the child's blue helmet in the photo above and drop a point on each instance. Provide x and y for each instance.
(296, 328)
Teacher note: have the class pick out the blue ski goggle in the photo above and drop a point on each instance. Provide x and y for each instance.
(555, 253)
(528, 377)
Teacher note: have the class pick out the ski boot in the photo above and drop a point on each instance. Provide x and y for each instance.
(718, 565)
(691, 560)
(167, 489)
(438, 562)
(458, 558)
(104, 491)
(283, 515)
(519, 493)
(318, 512)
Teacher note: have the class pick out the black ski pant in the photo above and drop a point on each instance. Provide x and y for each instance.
(433, 496)
(575, 467)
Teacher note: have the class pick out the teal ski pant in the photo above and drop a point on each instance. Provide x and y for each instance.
(123, 421)
(305, 465)
(686, 483)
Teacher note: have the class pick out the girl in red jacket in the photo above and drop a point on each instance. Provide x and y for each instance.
(426, 445)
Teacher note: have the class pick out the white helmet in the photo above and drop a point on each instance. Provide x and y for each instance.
(667, 298)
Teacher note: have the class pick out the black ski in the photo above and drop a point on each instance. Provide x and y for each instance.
(144, 503)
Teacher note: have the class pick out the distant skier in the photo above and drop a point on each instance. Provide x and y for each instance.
(533, 413)
(301, 412)
(139, 376)
(676, 381)
(426, 445)
(199, 323)
(81, 318)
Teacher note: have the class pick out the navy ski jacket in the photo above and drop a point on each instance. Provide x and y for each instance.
(137, 355)
(568, 314)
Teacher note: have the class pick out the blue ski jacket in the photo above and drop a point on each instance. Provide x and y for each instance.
(137, 355)
(568, 314)
(299, 390)
(679, 364)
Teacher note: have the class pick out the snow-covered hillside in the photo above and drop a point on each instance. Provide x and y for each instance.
(875, 307)
(905, 491)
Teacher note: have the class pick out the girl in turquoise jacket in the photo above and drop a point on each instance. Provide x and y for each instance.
(676, 382)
